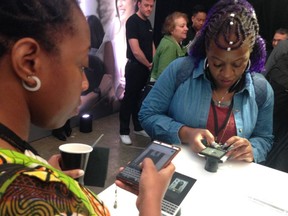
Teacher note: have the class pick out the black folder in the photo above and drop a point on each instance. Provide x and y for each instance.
(97, 166)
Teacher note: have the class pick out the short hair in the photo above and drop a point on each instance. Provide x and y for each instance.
(169, 23)
(232, 17)
(198, 9)
(45, 21)
(282, 31)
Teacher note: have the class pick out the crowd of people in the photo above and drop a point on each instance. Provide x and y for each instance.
(43, 60)
(209, 91)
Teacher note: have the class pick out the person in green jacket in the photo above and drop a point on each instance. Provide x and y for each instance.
(175, 31)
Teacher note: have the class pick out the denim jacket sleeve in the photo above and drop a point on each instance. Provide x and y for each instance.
(160, 109)
(261, 138)
(153, 114)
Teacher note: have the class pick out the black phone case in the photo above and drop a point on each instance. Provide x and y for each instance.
(134, 182)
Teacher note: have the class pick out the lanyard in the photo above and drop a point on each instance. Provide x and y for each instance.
(224, 124)
(14, 140)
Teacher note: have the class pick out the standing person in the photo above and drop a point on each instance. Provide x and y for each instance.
(42, 58)
(275, 55)
(140, 50)
(99, 76)
(100, 83)
(124, 9)
(175, 31)
(114, 46)
(197, 19)
(279, 35)
(277, 75)
(278, 78)
(215, 93)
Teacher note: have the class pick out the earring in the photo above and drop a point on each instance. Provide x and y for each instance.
(35, 88)
(248, 65)
(205, 65)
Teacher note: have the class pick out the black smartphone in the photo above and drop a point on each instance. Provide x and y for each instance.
(160, 153)
(213, 152)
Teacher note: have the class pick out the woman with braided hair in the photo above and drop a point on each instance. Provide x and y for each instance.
(44, 49)
(216, 94)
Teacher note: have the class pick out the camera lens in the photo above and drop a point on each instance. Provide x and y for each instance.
(211, 164)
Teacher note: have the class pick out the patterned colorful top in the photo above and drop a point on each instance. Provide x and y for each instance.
(29, 187)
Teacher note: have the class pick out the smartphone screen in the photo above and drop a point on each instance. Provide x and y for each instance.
(160, 153)
(213, 152)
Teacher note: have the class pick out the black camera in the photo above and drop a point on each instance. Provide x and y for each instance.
(213, 154)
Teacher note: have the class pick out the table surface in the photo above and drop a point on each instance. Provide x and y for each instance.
(237, 188)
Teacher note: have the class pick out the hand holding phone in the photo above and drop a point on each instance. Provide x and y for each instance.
(160, 153)
(216, 153)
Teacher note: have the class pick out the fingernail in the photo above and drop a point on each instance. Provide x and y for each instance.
(81, 173)
(28, 153)
(41, 159)
(230, 148)
(214, 144)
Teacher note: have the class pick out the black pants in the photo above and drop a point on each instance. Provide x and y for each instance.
(136, 76)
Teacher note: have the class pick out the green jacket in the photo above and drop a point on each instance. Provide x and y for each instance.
(167, 51)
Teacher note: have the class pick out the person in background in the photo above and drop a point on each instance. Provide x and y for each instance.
(175, 31)
(96, 33)
(218, 101)
(277, 76)
(275, 55)
(114, 46)
(42, 59)
(280, 34)
(100, 83)
(140, 51)
(99, 76)
(198, 18)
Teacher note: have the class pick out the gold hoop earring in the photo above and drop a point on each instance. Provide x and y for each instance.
(35, 88)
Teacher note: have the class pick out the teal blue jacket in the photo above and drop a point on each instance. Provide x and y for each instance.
(167, 108)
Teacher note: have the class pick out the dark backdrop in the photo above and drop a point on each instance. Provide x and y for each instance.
(271, 14)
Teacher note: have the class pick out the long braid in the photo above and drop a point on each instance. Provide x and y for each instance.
(231, 17)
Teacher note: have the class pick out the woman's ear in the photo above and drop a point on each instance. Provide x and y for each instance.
(25, 59)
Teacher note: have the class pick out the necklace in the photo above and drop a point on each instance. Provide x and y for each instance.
(219, 128)
(220, 102)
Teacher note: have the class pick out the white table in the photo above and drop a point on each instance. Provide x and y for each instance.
(233, 190)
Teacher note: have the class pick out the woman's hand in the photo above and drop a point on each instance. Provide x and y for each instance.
(55, 162)
(241, 149)
(152, 187)
(194, 137)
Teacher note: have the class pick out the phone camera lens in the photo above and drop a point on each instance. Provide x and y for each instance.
(211, 164)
